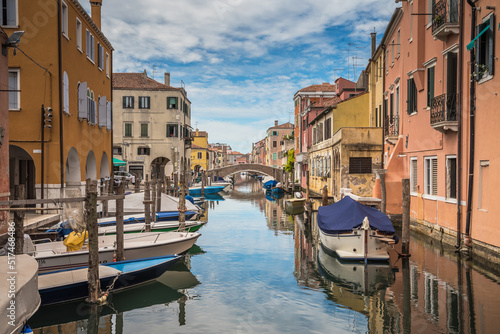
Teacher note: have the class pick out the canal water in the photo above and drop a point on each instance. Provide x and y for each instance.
(258, 269)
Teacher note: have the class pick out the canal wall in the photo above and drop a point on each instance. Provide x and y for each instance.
(483, 257)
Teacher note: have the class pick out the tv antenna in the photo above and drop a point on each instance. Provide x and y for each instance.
(155, 71)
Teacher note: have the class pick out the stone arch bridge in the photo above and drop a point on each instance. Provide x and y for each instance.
(276, 173)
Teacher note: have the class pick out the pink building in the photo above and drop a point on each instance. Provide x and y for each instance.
(430, 135)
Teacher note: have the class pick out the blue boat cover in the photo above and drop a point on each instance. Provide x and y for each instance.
(347, 214)
(270, 184)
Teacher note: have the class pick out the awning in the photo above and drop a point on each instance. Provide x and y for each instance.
(470, 46)
(118, 162)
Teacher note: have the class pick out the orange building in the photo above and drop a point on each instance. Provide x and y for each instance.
(440, 120)
(4, 133)
(60, 96)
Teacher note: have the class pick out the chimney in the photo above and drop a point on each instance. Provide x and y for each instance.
(167, 79)
(374, 42)
(96, 12)
(275, 123)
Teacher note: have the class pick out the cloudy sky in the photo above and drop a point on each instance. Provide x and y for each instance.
(241, 61)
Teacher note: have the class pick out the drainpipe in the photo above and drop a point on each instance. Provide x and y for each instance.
(472, 112)
(459, 118)
(59, 50)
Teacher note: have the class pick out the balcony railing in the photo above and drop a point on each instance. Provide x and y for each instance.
(445, 18)
(444, 112)
(392, 126)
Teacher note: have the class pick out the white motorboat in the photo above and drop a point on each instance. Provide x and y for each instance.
(355, 231)
(54, 255)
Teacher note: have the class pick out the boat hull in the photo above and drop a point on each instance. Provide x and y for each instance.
(122, 279)
(53, 256)
(206, 190)
(352, 246)
(191, 226)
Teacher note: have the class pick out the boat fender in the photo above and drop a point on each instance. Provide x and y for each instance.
(102, 299)
(396, 239)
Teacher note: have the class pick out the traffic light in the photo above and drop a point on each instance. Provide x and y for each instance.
(47, 117)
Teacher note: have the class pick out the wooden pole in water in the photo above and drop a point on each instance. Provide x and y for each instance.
(119, 225)
(19, 221)
(104, 191)
(405, 242)
(325, 196)
(137, 185)
(182, 202)
(91, 217)
(202, 183)
(147, 203)
(383, 192)
(176, 185)
(406, 296)
(158, 195)
(168, 187)
(153, 200)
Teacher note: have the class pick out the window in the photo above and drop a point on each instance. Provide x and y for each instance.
(107, 64)
(391, 111)
(451, 177)
(9, 13)
(200, 155)
(65, 93)
(64, 19)
(90, 47)
(79, 34)
(275, 156)
(485, 48)
(128, 102)
(360, 165)
(144, 130)
(411, 103)
(172, 130)
(144, 102)
(172, 103)
(275, 143)
(328, 128)
(392, 51)
(376, 117)
(274, 133)
(117, 150)
(82, 100)
(143, 151)
(430, 176)
(100, 56)
(91, 108)
(128, 130)
(430, 85)
(14, 90)
(413, 175)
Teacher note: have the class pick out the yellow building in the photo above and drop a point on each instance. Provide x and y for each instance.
(199, 151)
(60, 90)
(345, 148)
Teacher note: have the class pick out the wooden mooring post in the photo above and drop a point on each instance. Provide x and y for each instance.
(91, 221)
(202, 183)
(147, 203)
(182, 204)
(153, 200)
(120, 256)
(19, 221)
(405, 233)
(104, 192)
(176, 185)
(168, 188)
(137, 185)
(325, 196)
(158, 195)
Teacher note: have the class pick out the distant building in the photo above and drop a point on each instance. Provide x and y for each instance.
(275, 143)
(152, 124)
(199, 151)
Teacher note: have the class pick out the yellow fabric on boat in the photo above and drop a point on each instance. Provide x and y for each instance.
(74, 241)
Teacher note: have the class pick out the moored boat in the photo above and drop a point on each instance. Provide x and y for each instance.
(72, 284)
(168, 226)
(53, 256)
(355, 231)
(206, 190)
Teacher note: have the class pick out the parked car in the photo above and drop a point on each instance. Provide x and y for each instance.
(123, 176)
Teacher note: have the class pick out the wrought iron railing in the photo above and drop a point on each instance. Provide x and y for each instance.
(392, 126)
(444, 108)
(444, 12)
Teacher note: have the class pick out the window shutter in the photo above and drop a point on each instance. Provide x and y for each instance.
(414, 175)
(479, 48)
(109, 123)
(434, 176)
(82, 101)
(102, 111)
(65, 93)
(491, 41)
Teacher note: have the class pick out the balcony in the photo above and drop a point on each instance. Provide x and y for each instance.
(445, 19)
(444, 112)
(391, 130)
